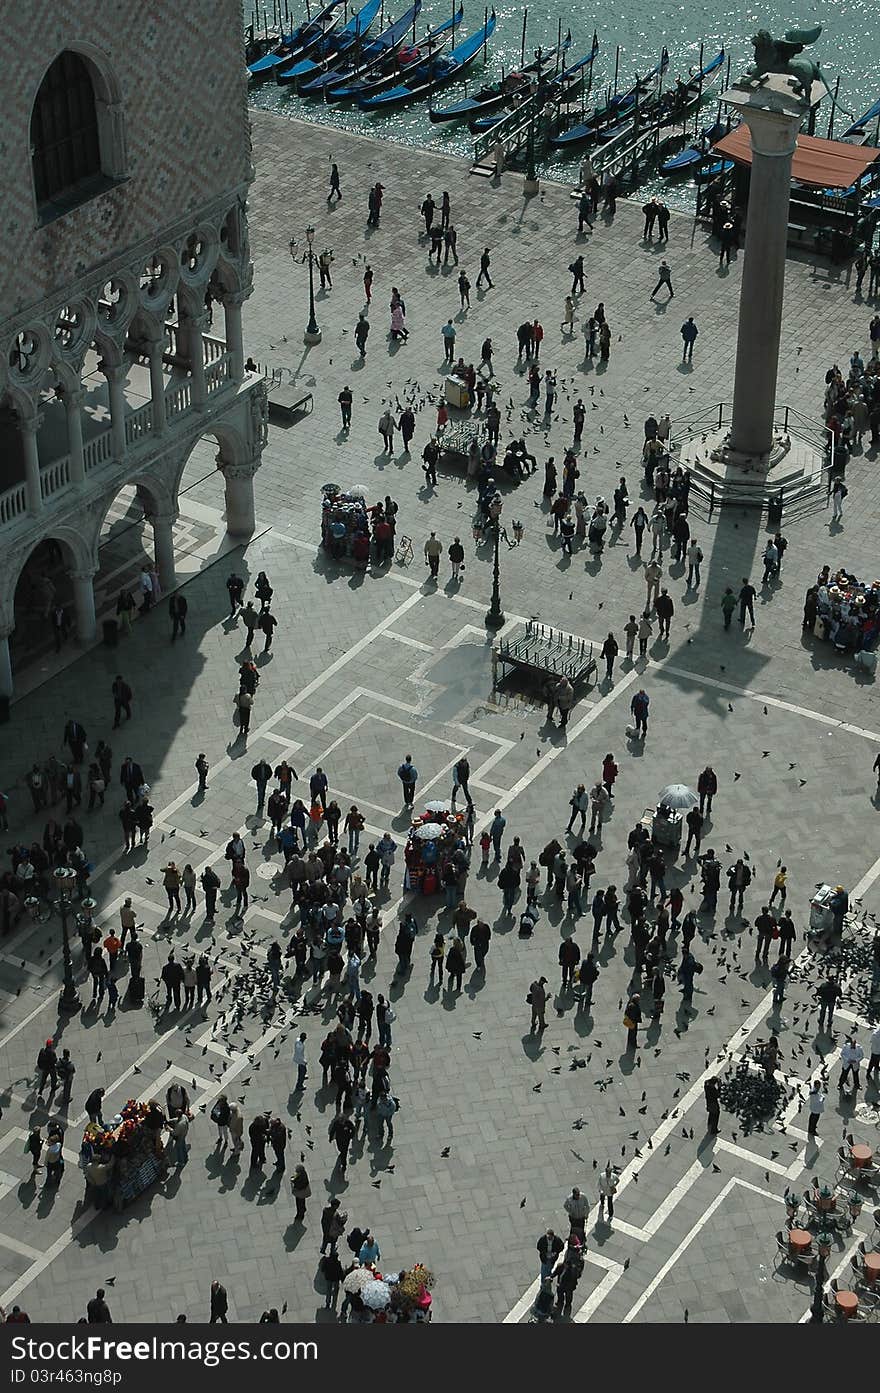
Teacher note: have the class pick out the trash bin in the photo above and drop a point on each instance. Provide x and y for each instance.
(774, 509)
(4, 710)
(111, 632)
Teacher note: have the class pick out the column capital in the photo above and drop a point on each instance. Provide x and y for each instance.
(32, 422)
(162, 516)
(83, 573)
(73, 397)
(245, 469)
(114, 372)
(235, 298)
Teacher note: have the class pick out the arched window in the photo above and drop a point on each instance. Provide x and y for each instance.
(65, 137)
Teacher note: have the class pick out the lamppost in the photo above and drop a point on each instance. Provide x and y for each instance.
(312, 334)
(495, 614)
(531, 184)
(65, 878)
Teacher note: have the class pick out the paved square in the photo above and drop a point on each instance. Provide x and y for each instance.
(495, 1125)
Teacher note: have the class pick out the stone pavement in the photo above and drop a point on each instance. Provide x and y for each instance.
(367, 668)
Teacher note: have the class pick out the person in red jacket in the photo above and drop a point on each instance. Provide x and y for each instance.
(610, 770)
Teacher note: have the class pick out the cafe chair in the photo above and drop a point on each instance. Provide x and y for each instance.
(875, 1236)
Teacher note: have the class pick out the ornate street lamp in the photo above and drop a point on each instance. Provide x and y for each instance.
(495, 614)
(312, 334)
(65, 879)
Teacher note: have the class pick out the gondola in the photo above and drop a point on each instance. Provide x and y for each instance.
(434, 72)
(589, 130)
(872, 114)
(365, 58)
(711, 170)
(332, 48)
(499, 93)
(562, 86)
(694, 154)
(392, 68)
(296, 44)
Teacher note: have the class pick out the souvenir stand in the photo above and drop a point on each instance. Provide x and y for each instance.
(345, 523)
(431, 840)
(848, 613)
(136, 1158)
(389, 1298)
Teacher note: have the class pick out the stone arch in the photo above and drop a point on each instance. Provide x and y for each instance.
(66, 553)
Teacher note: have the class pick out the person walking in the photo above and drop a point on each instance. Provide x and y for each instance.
(361, 334)
(219, 1304)
(639, 708)
(632, 1018)
(694, 560)
(664, 608)
(664, 277)
(578, 279)
(433, 552)
(712, 1095)
(689, 333)
(122, 695)
(537, 999)
(815, 1107)
(485, 262)
(448, 333)
(335, 191)
(851, 1057)
(610, 650)
(408, 774)
(608, 1182)
(747, 603)
(707, 787)
(345, 400)
(177, 608)
(838, 494)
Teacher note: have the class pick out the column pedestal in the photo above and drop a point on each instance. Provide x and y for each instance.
(239, 480)
(84, 603)
(163, 547)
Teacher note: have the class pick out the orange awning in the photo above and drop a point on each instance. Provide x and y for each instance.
(824, 164)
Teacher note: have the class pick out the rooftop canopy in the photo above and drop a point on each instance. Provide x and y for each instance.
(824, 164)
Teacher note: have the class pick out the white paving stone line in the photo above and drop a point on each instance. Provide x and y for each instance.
(645, 1232)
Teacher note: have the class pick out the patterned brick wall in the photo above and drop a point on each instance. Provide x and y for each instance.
(180, 68)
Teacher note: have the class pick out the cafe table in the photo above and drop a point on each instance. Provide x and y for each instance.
(799, 1240)
(872, 1267)
(847, 1304)
(861, 1156)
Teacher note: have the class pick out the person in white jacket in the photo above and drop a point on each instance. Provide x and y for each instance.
(608, 1182)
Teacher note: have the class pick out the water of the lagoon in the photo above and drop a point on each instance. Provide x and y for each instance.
(849, 48)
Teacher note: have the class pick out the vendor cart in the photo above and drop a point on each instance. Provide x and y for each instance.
(665, 830)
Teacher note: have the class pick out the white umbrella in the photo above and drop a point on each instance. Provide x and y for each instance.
(376, 1296)
(357, 1279)
(356, 491)
(438, 805)
(428, 831)
(678, 796)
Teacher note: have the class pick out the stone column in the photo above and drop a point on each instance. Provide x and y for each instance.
(29, 428)
(5, 663)
(773, 114)
(195, 350)
(240, 498)
(73, 406)
(84, 603)
(232, 304)
(116, 386)
(157, 384)
(163, 547)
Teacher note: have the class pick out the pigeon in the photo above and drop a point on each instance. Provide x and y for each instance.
(522, 1203)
